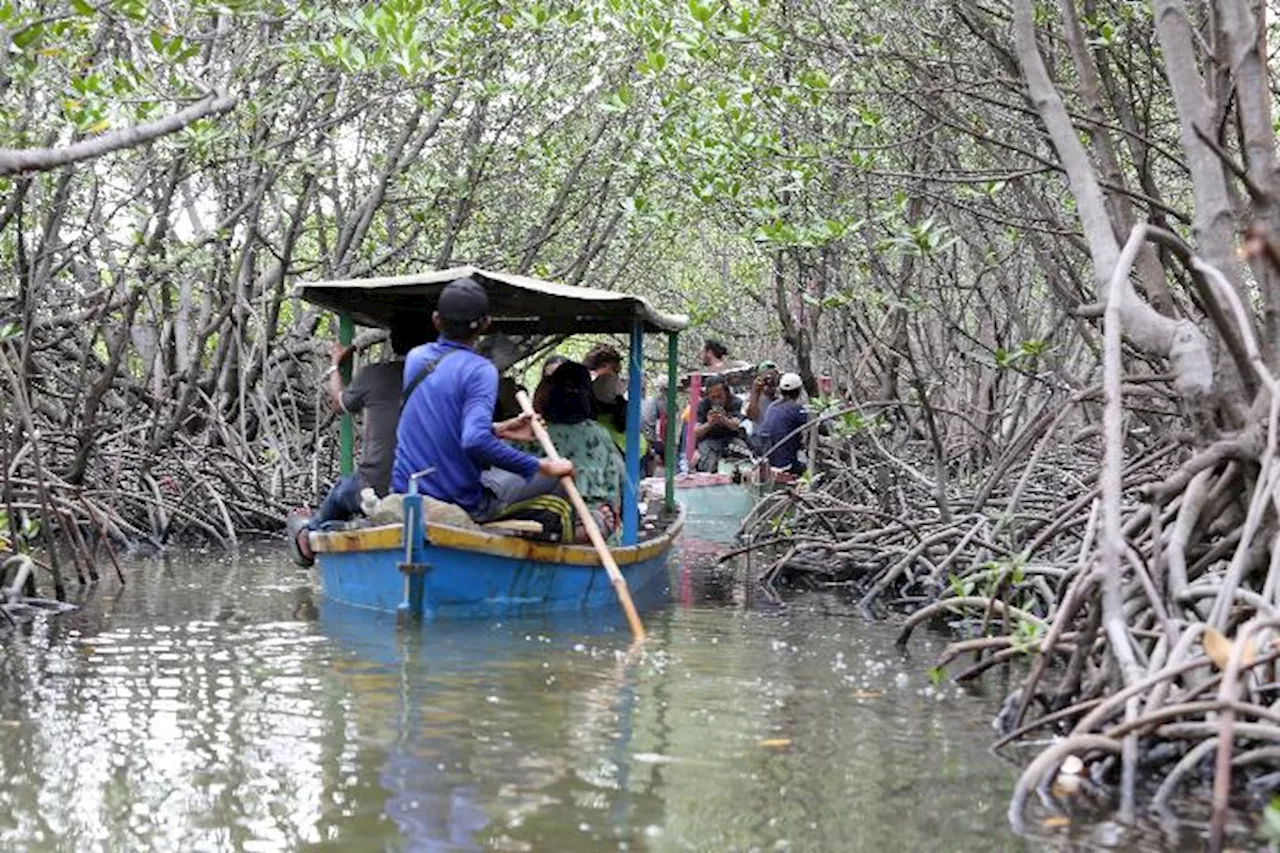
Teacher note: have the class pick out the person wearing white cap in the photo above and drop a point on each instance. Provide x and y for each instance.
(782, 422)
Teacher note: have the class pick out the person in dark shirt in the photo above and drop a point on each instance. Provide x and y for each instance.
(447, 428)
(375, 392)
(719, 426)
(782, 422)
(653, 411)
(507, 406)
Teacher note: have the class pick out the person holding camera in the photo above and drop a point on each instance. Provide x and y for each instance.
(719, 431)
(764, 390)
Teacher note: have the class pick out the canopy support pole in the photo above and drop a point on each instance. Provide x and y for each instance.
(346, 440)
(670, 440)
(631, 491)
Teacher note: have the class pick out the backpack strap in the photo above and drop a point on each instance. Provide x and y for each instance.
(427, 369)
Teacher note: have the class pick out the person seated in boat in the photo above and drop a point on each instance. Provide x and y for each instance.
(553, 361)
(567, 407)
(781, 433)
(446, 426)
(375, 392)
(611, 411)
(603, 360)
(719, 432)
(507, 406)
(653, 412)
(716, 362)
(501, 350)
(764, 390)
(714, 356)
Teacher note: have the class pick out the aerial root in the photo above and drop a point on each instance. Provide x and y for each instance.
(1182, 668)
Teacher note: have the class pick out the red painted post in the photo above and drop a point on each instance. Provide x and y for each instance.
(695, 397)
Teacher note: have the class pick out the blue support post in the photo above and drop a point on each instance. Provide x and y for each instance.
(413, 569)
(631, 490)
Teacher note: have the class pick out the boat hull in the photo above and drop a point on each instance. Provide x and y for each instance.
(470, 574)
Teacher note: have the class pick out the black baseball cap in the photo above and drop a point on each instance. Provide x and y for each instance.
(464, 301)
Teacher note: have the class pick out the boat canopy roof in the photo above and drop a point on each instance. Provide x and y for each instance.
(518, 304)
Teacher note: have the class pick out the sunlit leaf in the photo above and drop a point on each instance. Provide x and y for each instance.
(700, 11)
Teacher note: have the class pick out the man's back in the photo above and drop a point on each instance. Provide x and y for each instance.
(430, 431)
(375, 391)
(599, 471)
(447, 424)
(784, 417)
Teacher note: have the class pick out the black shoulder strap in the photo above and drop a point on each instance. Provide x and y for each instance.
(427, 369)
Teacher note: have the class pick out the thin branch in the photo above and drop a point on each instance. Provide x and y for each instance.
(16, 160)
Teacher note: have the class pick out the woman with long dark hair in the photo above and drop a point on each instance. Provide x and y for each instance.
(564, 400)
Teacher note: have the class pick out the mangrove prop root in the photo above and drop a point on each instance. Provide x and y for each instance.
(1151, 660)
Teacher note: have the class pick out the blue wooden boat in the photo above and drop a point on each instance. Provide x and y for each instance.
(436, 571)
(459, 573)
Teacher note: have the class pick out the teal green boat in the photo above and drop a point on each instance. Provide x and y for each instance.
(714, 504)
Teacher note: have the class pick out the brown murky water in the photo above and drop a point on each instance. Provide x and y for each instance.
(218, 703)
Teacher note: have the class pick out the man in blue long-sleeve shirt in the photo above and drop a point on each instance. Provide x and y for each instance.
(780, 432)
(447, 420)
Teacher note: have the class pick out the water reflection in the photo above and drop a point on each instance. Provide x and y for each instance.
(217, 704)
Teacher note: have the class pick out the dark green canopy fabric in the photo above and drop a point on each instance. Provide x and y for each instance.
(519, 304)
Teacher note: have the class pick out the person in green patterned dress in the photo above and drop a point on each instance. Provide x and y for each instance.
(565, 403)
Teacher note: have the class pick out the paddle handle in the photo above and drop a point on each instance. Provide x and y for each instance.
(588, 521)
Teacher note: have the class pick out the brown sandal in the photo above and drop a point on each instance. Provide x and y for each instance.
(606, 519)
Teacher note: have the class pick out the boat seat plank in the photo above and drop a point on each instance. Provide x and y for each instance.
(513, 525)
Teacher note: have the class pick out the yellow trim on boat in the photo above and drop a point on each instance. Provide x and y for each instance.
(388, 536)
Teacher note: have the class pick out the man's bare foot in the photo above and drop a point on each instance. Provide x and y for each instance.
(298, 536)
(304, 544)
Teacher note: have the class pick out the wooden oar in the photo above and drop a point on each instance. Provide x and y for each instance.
(588, 521)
